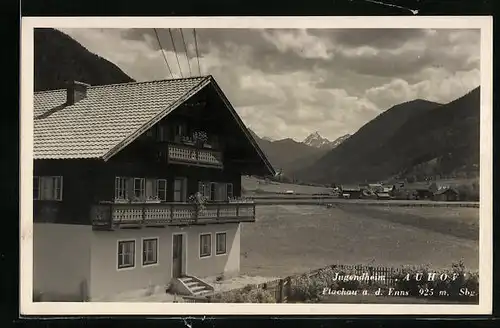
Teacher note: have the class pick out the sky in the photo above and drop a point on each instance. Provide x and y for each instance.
(288, 83)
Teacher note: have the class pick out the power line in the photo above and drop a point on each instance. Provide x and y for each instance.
(163, 53)
(197, 54)
(186, 51)
(175, 51)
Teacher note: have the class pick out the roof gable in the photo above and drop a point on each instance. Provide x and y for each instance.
(108, 117)
(112, 116)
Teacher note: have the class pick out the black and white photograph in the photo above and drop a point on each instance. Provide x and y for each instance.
(317, 166)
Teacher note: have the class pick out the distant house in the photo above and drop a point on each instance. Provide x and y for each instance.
(447, 194)
(351, 191)
(383, 195)
(437, 186)
(368, 193)
(388, 188)
(420, 190)
(375, 186)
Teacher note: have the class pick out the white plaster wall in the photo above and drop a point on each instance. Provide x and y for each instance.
(107, 280)
(61, 258)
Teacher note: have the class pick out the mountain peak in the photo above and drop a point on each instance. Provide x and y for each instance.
(317, 141)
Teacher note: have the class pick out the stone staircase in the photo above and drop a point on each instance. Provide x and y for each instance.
(192, 286)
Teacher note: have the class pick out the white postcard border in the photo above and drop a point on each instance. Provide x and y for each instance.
(28, 307)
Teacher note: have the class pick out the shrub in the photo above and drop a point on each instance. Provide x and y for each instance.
(309, 287)
(468, 192)
(245, 295)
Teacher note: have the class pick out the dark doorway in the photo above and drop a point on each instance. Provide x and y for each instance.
(177, 256)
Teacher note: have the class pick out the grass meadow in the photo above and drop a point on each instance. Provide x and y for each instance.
(291, 239)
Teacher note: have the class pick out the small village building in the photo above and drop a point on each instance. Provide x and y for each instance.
(437, 186)
(446, 195)
(418, 191)
(383, 195)
(351, 191)
(375, 187)
(138, 184)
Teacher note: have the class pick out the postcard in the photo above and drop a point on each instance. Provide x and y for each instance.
(256, 165)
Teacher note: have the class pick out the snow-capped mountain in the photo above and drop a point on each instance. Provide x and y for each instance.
(317, 141)
(339, 140)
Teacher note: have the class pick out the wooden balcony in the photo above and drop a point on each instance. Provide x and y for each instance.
(136, 215)
(191, 155)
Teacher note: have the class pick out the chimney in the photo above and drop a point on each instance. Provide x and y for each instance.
(75, 91)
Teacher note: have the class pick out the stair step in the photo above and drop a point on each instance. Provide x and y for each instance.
(196, 287)
(202, 292)
(189, 281)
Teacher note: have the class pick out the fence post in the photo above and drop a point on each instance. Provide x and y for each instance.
(287, 289)
(143, 215)
(281, 294)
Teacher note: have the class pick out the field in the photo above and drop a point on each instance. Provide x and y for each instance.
(254, 185)
(291, 239)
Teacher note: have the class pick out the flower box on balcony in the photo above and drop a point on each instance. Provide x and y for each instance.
(152, 201)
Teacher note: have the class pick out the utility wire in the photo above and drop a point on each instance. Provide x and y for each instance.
(163, 53)
(186, 51)
(197, 54)
(175, 51)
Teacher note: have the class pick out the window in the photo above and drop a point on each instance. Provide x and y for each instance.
(161, 189)
(36, 188)
(150, 188)
(47, 188)
(180, 130)
(126, 254)
(149, 251)
(179, 190)
(161, 156)
(205, 245)
(204, 189)
(212, 191)
(216, 191)
(139, 187)
(162, 133)
(121, 186)
(220, 243)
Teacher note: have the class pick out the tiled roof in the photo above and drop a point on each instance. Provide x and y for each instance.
(350, 188)
(443, 190)
(108, 117)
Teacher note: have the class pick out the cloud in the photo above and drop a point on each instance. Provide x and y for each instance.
(291, 82)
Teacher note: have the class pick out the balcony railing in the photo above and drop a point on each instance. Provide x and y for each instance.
(193, 155)
(116, 215)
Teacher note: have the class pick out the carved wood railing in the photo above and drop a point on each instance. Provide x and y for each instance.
(159, 214)
(194, 155)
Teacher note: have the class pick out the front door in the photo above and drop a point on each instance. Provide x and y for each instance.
(177, 256)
